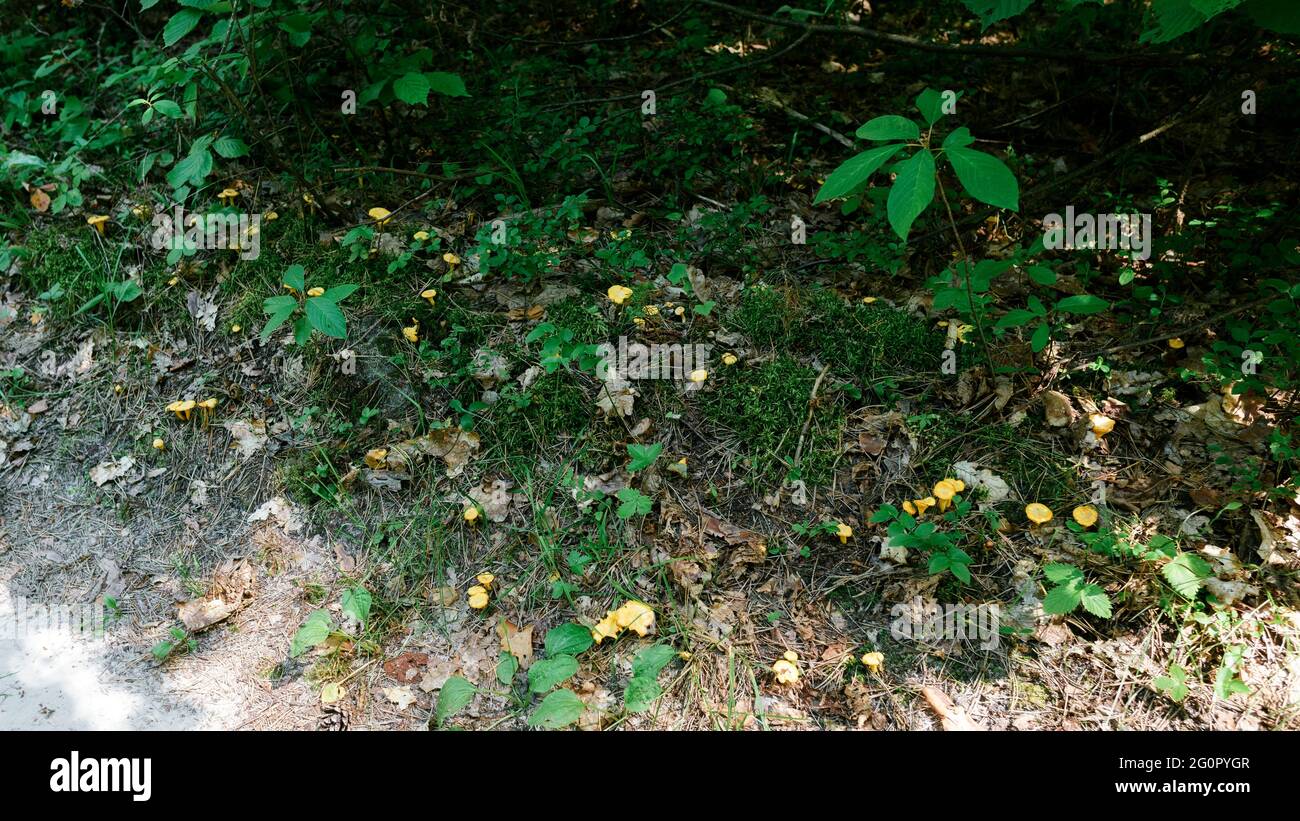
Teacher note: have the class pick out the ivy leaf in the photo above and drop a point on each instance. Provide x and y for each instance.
(559, 709)
(985, 177)
(913, 190)
(855, 171)
(889, 127)
(456, 695)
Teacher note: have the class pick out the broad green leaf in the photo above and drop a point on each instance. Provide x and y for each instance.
(1042, 335)
(1062, 572)
(1095, 600)
(930, 104)
(559, 709)
(456, 695)
(889, 127)
(450, 85)
(180, 24)
(339, 293)
(959, 138)
(326, 317)
(313, 631)
(643, 456)
(412, 88)
(985, 177)
(912, 192)
(567, 639)
(356, 601)
(652, 659)
(168, 108)
(991, 11)
(507, 666)
(544, 675)
(1185, 573)
(855, 171)
(1062, 599)
(229, 147)
(295, 277)
(301, 330)
(1082, 304)
(641, 693)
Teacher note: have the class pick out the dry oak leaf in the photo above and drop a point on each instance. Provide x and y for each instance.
(454, 446)
(516, 642)
(110, 470)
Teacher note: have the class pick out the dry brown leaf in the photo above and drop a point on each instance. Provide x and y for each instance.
(516, 642)
(951, 716)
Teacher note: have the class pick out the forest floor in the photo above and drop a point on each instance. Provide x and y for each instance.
(335, 476)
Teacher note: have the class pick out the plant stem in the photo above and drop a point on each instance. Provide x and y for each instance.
(970, 289)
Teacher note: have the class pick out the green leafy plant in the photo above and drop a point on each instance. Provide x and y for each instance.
(906, 531)
(320, 312)
(1072, 589)
(1173, 683)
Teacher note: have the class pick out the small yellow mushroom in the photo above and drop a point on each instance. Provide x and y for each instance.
(679, 310)
(412, 333)
(173, 280)
(451, 259)
(944, 490)
(485, 579)
(270, 216)
(478, 597)
(205, 409)
(923, 505)
(958, 484)
(729, 359)
(140, 211)
(1176, 343)
(234, 329)
(317, 291)
(636, 617)
(638, 321)
(420, 236)
(1085, 515)
(787, 668)
(379, 215)
(618, 294)
(867, 300)
(97, 222)
(182, 408)
(158, 444)
(909, 508)
(1038, 513)
(650, 310)
(227, 196)
(376, 458)
(844, 532)
(1101, 424)
(429, 294)
(698, 376)
(471, 514)
(873, 660)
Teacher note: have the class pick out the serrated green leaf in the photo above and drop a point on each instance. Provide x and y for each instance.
(295, 276)
(1095, 600)
(412, 88)
(180, 24)
(643, 456)
(1185, 573)
(1062, 572)
(326, 317)
(446, 83)
(1062, 598)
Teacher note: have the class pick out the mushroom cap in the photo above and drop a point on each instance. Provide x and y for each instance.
(450, 258)
(158, 444)
(618, 294)
(96, 219)
(315, 291)
(478, 597)
(874, 659)
(699, 375)
(606, 628)
(927, 502)
(958, 484)
(1176, 343)
(1101, 423)
(375, 457)
(1085, 515)
(635, 616)
(944, 489)
(379, 213)
(786, 672)
(843, 531)
(420, 235)
(471, 513)
(908, 507)
(185, 404)
(177, 406)
(1038, 513)
(208, 403)
(228, 192)
(729, 359)
(485, 579)
(428, 293)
